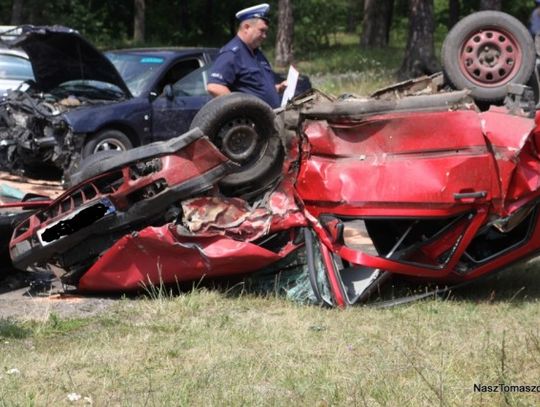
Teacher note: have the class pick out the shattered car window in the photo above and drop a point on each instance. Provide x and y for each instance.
(135, 69)
(14, 67)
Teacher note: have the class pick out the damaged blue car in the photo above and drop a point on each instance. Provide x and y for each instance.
(82, 101)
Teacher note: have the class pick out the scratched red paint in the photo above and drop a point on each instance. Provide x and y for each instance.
(460, 177)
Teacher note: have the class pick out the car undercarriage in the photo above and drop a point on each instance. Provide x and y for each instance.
(434, 189)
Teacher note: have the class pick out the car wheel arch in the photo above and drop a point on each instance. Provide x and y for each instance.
(128, 130)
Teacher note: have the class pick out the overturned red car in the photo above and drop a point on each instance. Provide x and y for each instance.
(433, 188)
(417, 181)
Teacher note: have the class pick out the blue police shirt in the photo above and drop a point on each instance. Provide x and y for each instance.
(534, 22)
(241, 70)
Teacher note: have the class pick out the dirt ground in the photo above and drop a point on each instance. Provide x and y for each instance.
(51, 188)
(36, 295)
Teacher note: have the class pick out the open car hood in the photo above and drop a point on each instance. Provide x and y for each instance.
(60, 54)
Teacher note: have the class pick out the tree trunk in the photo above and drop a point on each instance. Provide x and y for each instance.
(210, 24)
(420, 53)
(138, 21)
(376, 23)
(454, 10)
(36, 13)
(284, 37)
(184, 16)
(490, 4)
(353, 15)
(16, 12)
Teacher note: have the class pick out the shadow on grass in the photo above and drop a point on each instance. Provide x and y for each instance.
(13, 330)
(517, 284)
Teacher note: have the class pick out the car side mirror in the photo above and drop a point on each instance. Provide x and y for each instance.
(168, 90)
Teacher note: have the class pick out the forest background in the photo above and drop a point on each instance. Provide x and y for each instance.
(343, 44)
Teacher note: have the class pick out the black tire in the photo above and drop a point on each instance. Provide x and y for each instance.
(486, 51)
(97, 157)
(107, 140)
(242, 127)
(89, 161)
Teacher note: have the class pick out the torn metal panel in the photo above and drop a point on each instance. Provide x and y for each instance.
(236, 218)
(160, 255)
(425, 85)
(211, 216)
(135, 194)
(423, 159)
(216, 238)
(357, 109)
(509, 138)
(525, 180)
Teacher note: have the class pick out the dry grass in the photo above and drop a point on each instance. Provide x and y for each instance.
(204, 348)
(356, 83)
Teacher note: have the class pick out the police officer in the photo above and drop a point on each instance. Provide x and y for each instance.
(241, 66)
(534, 20)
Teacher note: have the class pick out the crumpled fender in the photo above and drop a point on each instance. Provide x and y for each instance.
(158, 255)
(218, 238)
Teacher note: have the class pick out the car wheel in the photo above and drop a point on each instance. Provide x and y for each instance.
(242, 127)
(107, 140)
(485, 51)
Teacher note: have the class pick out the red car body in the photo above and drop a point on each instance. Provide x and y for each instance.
(437, 190)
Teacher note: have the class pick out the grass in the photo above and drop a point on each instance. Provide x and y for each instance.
(344, 67)
(208, 348)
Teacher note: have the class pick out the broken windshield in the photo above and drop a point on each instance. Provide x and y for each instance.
(136, 70)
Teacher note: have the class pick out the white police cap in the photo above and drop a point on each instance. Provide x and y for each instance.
(258, 11)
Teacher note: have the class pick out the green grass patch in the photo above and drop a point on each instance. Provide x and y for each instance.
(350, 69)
(52, 326)
(345, 67)
(10, 329)
(210, 348)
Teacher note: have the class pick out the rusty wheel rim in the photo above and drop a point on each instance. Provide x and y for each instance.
(490, 57)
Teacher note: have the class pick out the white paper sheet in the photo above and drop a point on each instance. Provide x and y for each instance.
(292, 80)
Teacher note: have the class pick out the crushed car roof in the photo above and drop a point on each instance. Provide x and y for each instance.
(60, 54)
